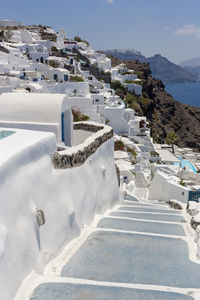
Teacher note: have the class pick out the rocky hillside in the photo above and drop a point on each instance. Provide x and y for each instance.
(194, 62)
(195, 71)
(163, 112)
(167, 71)
(161, 67)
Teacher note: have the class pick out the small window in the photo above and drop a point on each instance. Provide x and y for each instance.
(97, 100)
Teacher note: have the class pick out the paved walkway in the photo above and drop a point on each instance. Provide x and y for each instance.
(137, 252)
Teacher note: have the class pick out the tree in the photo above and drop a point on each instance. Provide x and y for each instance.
(79, 39)
(54, 63)
(54, 49)
(171, 139)
(116, 85)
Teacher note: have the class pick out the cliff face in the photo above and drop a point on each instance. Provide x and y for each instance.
(165, 114)
(161, 67)
(167, 71)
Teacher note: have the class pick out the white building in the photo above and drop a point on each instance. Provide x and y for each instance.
(5, 23)
(136, 88)
(124, 121)
(58, 74)
(114, 116)
(98, 99)
(34, 111)
(9, 62)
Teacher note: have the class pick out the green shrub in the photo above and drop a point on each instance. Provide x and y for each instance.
(130, 99)
(136, 107)
(54, 63)
(139, 74)
(54, 49)
(76, 78)
(107, 121)
(154, 154)
(144, 101)
(128, 81)
(79, 40)
(131, 151)
(78, 116)
(119, 145)
(133, 102)
(181, 182)
(120, 92)
(117, 85)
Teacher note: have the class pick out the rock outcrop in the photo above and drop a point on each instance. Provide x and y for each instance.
(161, 67)
(164, 113)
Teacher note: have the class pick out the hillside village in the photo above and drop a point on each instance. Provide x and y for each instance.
(78, 165)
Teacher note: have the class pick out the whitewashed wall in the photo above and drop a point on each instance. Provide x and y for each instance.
(116, 120)
(163, 187)
(69, 198)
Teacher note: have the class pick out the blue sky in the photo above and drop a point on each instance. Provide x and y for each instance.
(169, 27)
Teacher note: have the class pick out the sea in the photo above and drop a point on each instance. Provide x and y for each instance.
(188, 93)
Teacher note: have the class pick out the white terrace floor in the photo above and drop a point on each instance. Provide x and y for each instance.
(139, 251)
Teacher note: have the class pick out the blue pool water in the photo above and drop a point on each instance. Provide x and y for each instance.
(5, 133)
(184, 163)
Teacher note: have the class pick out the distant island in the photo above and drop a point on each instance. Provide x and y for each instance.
(160, 66)
(192, 66)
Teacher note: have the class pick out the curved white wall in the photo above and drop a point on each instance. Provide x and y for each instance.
(69, 198)
(164, 188)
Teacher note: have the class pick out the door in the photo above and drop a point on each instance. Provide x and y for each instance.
(66, 127)
(65, 77)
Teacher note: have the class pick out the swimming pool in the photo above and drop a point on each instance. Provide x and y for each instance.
(5, 133)
(184, 162)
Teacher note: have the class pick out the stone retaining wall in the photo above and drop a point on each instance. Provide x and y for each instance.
(87, 127)
(70, 158)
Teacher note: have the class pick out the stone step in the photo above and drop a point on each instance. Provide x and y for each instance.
(141, 226)
(157, 217)
(144, 205)
(136, 259)
(69, 291)
(150, 210)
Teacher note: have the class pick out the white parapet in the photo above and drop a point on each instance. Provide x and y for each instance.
(166, 187)
(66, 199)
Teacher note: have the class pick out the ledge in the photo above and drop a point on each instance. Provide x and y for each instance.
(88, 126)
(76, 156)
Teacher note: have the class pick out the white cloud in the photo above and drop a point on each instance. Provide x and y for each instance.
(189, 30)
(110, 1)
